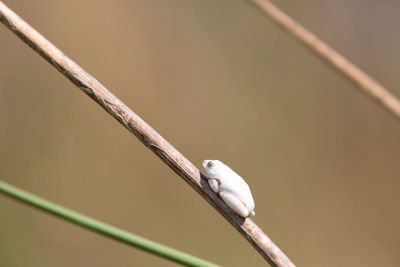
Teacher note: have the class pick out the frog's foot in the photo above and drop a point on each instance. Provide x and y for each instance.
(235, 204)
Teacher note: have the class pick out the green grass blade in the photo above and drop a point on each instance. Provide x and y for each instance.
(102, 228)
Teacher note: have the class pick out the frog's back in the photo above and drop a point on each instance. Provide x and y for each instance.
(235, 184)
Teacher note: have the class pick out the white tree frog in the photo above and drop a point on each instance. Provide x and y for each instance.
(233, 190)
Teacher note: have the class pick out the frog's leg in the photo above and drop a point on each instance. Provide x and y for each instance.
(214, 184)
(235, 204)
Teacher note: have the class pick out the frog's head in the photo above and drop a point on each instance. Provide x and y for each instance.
(211, 167)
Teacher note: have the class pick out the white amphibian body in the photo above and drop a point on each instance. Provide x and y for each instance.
(233, 190)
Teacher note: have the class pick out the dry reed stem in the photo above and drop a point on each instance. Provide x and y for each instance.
(147, 135)
(333, 58)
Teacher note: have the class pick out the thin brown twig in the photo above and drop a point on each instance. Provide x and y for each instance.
(147, 135)
(333, 58)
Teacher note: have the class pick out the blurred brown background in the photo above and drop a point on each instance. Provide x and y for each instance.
(219, 81)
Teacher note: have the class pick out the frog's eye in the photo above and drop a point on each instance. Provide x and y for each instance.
(210, 164)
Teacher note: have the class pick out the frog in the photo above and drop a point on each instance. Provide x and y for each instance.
(232, 188)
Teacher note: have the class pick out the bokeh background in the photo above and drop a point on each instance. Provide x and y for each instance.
(218, 80)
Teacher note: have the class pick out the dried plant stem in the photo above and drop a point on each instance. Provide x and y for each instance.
(102, 228)
(333, 58)
(147, 135)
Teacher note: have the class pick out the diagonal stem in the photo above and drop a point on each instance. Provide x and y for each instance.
(367, 84)
(147, 135)
(102, 228)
